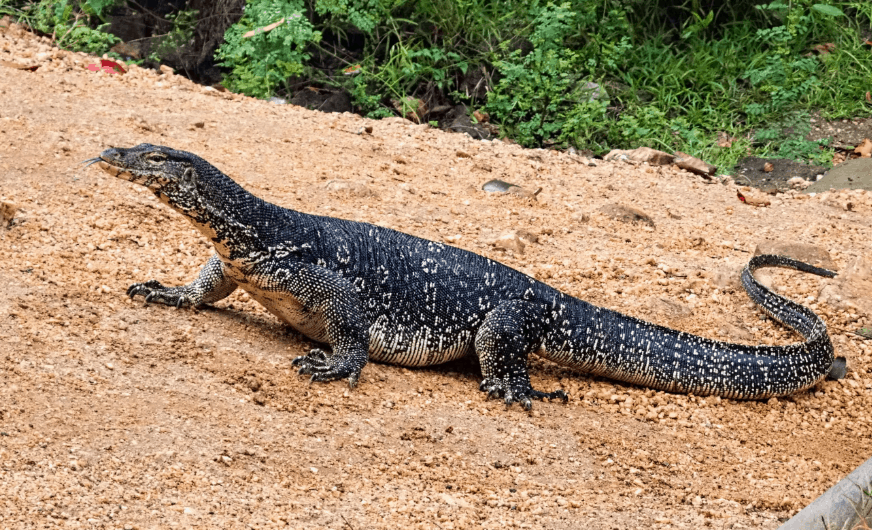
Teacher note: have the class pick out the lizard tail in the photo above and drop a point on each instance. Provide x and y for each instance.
(604, 342)
(796, 316)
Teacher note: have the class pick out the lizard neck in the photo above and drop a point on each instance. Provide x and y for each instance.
(232, 218)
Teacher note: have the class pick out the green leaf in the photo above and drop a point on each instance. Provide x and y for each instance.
(830, 11)
(99, 5)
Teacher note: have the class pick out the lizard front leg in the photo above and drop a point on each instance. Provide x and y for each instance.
(507, 336)
(210, 286)
(331, 300)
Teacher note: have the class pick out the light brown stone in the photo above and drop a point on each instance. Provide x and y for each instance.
(510, 241)
(7, 213)
(851, 289)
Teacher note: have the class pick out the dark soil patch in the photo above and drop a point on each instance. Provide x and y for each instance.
(845, 134)
(750, 172)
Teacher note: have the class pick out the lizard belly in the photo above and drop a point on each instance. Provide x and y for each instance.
(390, 341)
(394, 343)
(282, 304)
(290, 311)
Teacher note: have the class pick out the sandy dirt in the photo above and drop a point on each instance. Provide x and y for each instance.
(114, 414)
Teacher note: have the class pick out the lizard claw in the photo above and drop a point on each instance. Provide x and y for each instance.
(145, 288)
(517, 392)
(322, 367)
(154, 291)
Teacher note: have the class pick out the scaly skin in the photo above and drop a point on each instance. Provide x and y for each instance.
(371, 292)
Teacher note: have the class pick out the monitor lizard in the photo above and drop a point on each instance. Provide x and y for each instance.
(371, 292)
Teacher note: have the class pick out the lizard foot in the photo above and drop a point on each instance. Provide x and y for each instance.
(154, 291)
(323, 367)
(517, 391)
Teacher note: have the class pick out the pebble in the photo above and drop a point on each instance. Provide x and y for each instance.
(510, 241)
(7, 213)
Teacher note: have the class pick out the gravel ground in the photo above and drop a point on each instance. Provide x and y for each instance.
(117, 415)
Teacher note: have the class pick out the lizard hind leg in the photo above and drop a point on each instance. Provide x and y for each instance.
(507, 336)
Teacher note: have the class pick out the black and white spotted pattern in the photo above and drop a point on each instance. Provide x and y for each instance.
(371, 292)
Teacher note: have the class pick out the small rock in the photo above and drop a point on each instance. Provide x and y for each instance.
(510, 241)
(463, 154)
(7, 213)
(750, 199)
(579, 218)
(166, 70)
(626, 214)
(199, 124)
(454, 501)
(189, 511)
(768, 167)
(693, 164)
(500, 186)
(798, 183)
(497, 186)
(850, 289)
(804, 252)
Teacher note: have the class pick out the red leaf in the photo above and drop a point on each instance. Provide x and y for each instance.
(112, 65)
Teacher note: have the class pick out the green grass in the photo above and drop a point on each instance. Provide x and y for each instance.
(675, 75)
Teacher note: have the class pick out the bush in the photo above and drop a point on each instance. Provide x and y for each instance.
(593, 74)
(261, 60)
(70, 23)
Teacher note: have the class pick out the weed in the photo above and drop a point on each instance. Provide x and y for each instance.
(259, 61)
(69, 23)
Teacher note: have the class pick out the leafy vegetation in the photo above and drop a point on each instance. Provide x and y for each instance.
(594, 74)
(74, 25)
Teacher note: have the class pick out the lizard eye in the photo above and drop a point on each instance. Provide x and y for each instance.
(156, 158)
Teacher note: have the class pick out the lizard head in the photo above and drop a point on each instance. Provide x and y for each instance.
(175, 177)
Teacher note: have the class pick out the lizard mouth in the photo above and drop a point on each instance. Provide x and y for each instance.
(108, 165)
